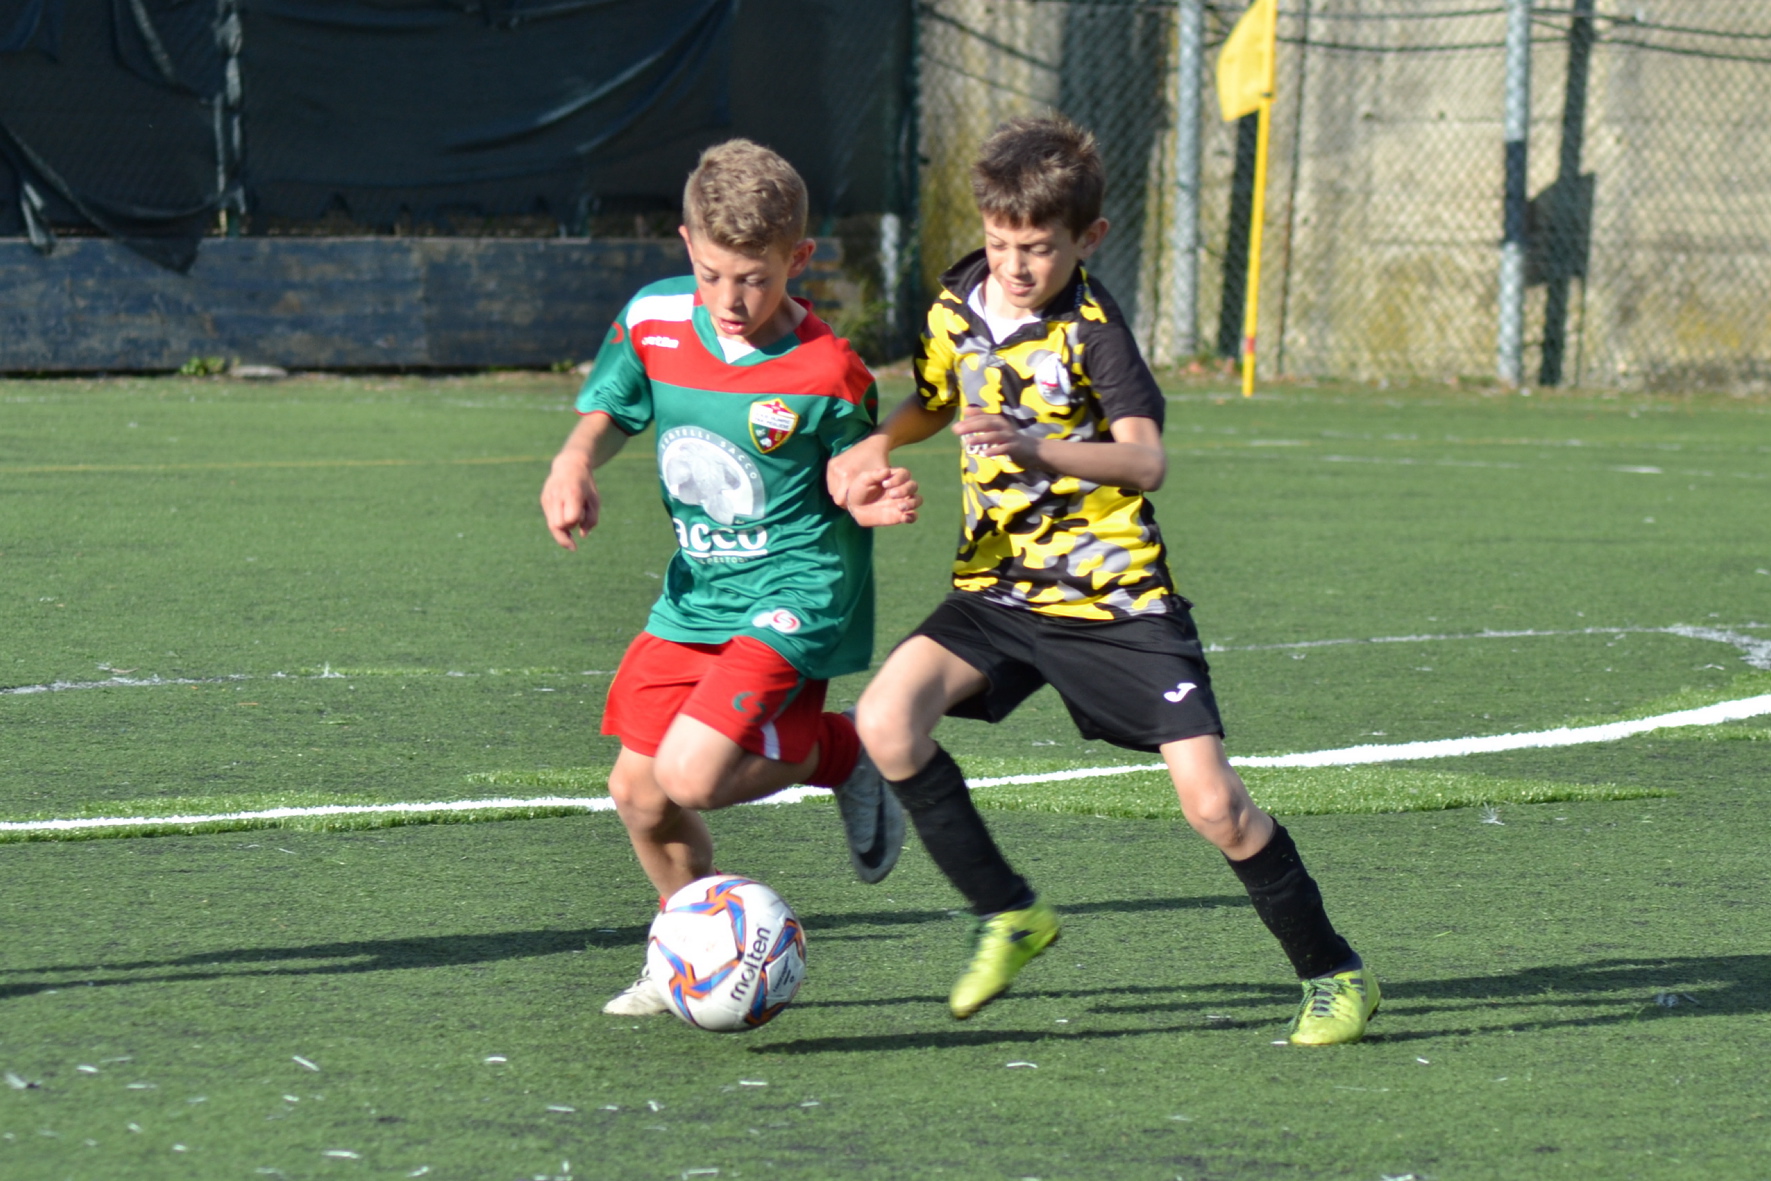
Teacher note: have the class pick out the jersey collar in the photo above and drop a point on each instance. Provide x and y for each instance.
(969, 272)
(703, 321)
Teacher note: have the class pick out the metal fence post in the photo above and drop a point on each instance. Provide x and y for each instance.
(1510, 339)
(1183, 231)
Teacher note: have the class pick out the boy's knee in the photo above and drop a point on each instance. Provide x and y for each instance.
(873, 723)
(887, 725)
(697, 797)
(1215, 808)
(1212, 819)
(638, 799)
(681, 783)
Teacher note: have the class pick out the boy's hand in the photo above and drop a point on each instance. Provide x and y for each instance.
(984, 433)
(570, 501)
(868, 455)
(883, 496)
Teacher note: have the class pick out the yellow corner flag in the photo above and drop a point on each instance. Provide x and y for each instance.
(1245, 63)
(1247, 66)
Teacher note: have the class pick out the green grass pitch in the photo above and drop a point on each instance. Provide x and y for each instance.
(221, 597)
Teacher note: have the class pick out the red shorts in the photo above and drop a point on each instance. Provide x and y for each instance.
(743, 688)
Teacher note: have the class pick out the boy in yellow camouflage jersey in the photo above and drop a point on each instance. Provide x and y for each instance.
(1061, 576)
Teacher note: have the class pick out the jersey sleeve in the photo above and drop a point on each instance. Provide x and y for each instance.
(618, 385)
(936, 383)
(847, 423)
(1116, 370)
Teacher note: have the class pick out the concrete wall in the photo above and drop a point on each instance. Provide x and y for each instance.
(1652, 260)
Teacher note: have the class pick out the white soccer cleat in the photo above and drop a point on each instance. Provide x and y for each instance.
(642, 998)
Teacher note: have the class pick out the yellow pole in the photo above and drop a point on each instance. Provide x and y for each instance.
(1257, 218)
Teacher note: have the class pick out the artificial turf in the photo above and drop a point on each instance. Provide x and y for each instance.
(352, 577)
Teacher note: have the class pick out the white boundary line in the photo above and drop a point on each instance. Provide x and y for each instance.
(589, 804)
(1708, 715)
(1755, 651)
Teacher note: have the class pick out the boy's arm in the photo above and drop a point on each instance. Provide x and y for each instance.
(616, 404)
(916, 418)
(570, 500)
(909, 423)
(883, 496)
(873, 492)
(1130, 398)
(1134, 459)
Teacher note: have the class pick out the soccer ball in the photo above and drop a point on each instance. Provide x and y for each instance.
(728, 952)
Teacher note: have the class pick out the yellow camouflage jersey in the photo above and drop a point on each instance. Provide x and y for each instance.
(1058, 545)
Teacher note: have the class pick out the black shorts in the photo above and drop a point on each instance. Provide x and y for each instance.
(1136, 683)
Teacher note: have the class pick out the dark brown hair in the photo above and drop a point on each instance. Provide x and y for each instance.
(1037, 169)
(744, 197)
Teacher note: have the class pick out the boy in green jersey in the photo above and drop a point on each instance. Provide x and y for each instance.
(1062, 576)
(720, 700)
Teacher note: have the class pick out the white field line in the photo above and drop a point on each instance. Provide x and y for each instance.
(327, 674)
(1263, 449)
(1754, 651)
(603, 804)
(1709, 715)
(119, 682)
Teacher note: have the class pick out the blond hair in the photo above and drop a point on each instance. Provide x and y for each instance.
(1039, 169)
(744, 197)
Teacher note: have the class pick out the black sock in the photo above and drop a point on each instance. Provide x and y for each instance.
(1285, 896)
(940, 805)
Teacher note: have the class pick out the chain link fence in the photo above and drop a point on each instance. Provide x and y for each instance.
(1646, 165)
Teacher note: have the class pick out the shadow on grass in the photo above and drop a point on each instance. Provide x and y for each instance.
(1612, 992)
(375, 955)
(1593, 993)
(959, 1039)
(443, 951)
(820, 924)
(1223, 996)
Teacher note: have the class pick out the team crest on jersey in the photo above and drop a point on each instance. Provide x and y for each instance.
(772, 423)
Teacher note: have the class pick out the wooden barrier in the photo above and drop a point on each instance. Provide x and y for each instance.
(330, 303)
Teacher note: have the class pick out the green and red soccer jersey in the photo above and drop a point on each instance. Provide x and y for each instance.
(762, 550)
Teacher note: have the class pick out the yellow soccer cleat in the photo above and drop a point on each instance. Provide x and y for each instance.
(1336, 1008)
(1006, 942)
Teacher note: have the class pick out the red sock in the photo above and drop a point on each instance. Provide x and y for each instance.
(839, 748)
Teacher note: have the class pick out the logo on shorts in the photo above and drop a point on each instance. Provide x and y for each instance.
(779, 619)
(747, 704)
(772, 423)
(1179, 693)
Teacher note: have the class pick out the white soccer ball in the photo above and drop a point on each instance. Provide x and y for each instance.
(728, 953)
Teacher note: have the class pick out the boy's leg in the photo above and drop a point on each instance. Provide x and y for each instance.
(699, 767)
(1339, 995)
(673, 847)
(732, 722)
(672, 842)
(897, 716)
(1144, 684)
(660, 798)
(752, 725)
(1213, 798)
